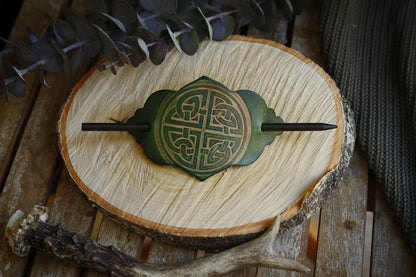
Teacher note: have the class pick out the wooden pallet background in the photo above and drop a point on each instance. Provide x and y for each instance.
(354, 233)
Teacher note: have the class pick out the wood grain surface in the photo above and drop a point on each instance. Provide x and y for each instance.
(342, 224)
(163, 198)
(27, 155)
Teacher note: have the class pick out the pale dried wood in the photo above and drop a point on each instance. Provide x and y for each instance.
(305, 39)
(34, 162)
(342, 224)
(291, 245)
(280, 35)
(15, 113)
(73, 212)
(90, 156)
(391, 254)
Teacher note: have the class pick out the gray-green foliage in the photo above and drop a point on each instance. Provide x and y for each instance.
(130, 32)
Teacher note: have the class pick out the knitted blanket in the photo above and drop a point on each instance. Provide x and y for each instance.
(371, 53)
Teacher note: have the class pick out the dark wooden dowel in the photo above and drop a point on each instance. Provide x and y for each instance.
(145, 127)
(267, 127)
(297, 126)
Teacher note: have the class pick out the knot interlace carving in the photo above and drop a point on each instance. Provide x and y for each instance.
(204, 130)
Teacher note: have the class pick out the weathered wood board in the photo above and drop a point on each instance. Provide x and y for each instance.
(342, 224)
(391, 254)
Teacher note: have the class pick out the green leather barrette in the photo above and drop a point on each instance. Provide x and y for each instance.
(204, 127)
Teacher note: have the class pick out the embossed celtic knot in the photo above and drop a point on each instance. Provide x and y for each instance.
(203, 130)
(204, 127)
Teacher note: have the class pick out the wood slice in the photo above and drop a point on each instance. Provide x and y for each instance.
(291, 178)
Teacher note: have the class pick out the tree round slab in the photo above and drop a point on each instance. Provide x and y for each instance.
(291, 178)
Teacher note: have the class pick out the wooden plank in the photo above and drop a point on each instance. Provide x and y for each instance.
(305, 37)
(111, 233)
(75, 213)
(34, 163)
(15, 113)
(292, 245)
(342, 224)
(391, 254)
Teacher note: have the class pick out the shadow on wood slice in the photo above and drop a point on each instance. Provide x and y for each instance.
(292, 177)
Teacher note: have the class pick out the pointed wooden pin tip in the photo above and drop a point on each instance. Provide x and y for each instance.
(266, 127)
(297, 127)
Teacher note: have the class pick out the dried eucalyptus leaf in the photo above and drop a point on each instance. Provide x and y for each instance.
(165, 37)
(25, 54)
(205, 7)
(195, 18)
(113, 69)
(64, 31)
(17, 87)
(76, 59)
(123, 46)
(117, 59)
(143, 46)
(134, 44)
(69, 16)
(101, 67)
(85, 29)
(158, 52)
(117, 35)
(178, 22)
(42, 78)
(141, 20)
(243, 9)
(208, 24)
(15, 82)
(157, 47)
(117, 22)
(286, 7)
(99, 5)
(107, 43)
(52, 61)
(174, 40)
(86, 32)
(32, 37)
(270, 14)
(222, 27)
(124, 12)
(123, 57)
(258, 12)
(136, 60)
(7, 41)
(160, 7)
(152, 22)
(65, 60)
(189, 42)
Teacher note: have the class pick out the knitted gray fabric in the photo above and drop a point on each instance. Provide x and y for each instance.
(371, 53)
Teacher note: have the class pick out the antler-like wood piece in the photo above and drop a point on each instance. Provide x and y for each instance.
(31, 230)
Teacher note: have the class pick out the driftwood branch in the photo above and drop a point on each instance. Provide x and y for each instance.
(26, 231)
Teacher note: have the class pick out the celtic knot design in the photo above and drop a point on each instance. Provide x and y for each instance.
(203, 129)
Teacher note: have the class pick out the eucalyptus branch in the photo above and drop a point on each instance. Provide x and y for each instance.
(127, 33)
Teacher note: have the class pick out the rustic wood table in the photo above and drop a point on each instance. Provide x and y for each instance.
(354, 234)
